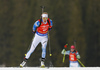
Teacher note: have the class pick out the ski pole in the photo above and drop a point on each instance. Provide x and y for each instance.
(50, 54)
(49, 45)
(80, 62)
(64, 52)
(30, 44)
(64, 58)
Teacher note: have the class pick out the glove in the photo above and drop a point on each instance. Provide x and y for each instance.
(33, 32)
(63, 51)
(65, 46)
(78, 56)
(49, 29)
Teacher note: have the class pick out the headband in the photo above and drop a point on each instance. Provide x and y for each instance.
(45, 15)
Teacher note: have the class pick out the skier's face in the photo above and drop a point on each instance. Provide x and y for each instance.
(44, 19)
(72, 50)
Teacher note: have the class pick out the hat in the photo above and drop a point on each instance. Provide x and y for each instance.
(72, 47)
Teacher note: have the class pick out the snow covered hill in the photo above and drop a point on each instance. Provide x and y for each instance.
(51, 68)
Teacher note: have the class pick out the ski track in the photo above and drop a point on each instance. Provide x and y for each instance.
(51, 68)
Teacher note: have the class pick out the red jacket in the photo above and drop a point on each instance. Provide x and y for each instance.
(43, 28)
(72, 56)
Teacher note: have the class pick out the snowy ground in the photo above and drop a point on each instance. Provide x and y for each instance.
(51, 68)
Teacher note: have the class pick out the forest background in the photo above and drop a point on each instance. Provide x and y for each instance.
(73, 20)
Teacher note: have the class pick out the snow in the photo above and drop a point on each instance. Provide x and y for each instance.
(51, 68)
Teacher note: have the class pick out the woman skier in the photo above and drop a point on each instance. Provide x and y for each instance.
(73, 56)
(40, 29)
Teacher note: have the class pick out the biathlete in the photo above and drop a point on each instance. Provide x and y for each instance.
(73, 56)
(40, 29)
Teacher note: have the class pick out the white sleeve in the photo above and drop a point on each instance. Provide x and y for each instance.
(67, 52)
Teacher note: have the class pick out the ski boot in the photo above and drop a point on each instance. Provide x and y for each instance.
(42, 63)
(23, 63)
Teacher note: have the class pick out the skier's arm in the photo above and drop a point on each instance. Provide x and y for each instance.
(36, 24)
(77, 55)
(51, 24)
(65, 52)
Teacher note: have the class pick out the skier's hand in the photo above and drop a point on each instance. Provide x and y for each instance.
(33, 32)
(63, 51)
(78, 56)
(65, 46)
(50, 29)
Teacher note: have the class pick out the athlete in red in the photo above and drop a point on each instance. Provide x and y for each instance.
(73, 56)
(40, 29)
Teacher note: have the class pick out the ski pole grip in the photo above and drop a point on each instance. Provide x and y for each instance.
(65, 46)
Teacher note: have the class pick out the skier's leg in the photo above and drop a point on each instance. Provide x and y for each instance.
(74, 64)
(79, 65)
(70, 64)
(44, 44)
(34, 44)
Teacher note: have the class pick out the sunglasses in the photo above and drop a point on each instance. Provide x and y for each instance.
(44, 18)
